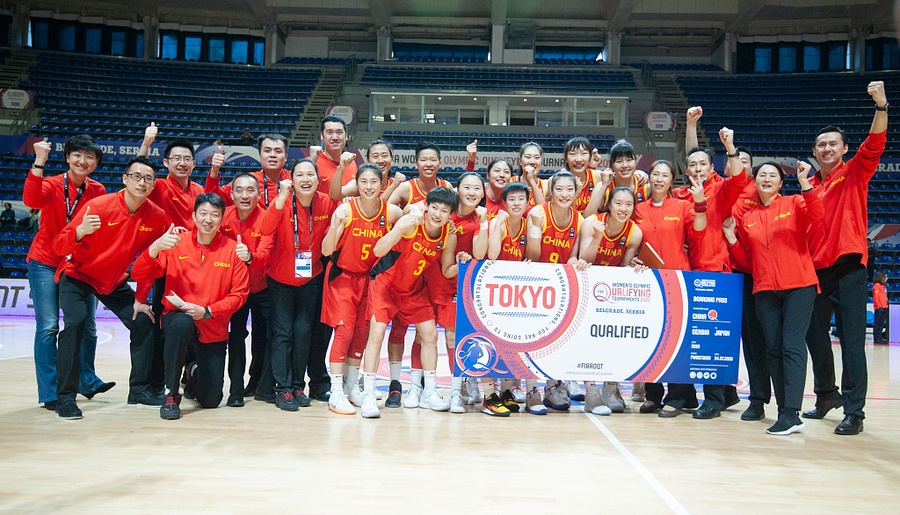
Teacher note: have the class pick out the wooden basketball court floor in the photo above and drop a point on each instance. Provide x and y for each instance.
(125, 459)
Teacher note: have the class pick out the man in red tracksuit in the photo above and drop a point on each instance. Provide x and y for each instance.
(839, 251)
(101, 242)
(272, 155)
(210, 281)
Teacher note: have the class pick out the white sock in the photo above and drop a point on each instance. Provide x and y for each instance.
(415, 377)
(456, 383)
(530, 383)
(369, 384)
(395, 370)
(430, 380)
(352, 374)
(337, 383)
(488, 388)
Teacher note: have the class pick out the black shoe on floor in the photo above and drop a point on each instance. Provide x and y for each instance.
(265, 397)
(394, 395)
(851, 425)
(250, 390)
(235, 401)
(68, 410)
(146, 398)
(285, 401)
(300, 399)
(731, 396)
(823, 406)
(49, 405)
(706, 412)
(103, 388)
(649, 407)
(788, 422)
(322, 396)
(754, 411)
(170, 409)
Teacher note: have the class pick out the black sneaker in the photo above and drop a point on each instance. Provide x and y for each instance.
(250, 390)
(170, 409)
(755, 411)
(788, 422)
(509, 402)
(235, 401)
(68, 410)
(395, 392)
(145, 398)
(494, 407)
(263, 396)
(103, 388)
(188, 379)
(49, 406)
(300, 399)
(285, 401)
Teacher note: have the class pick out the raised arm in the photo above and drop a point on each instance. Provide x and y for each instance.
(690, 128)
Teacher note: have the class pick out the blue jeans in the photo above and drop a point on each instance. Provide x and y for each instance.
(45, 297)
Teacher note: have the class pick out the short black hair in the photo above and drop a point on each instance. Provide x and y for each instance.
(621, 149)
(272, 136)
(578, 142)
(369, 167)
(833, 128)
(443, 195)
(562, 174)
(379, 141)
(335, 119)
(616, 191)
(141, 160)
(209, 198)
(465, 175)
(296, 162)
(179, 143)
(427, 145)
(83, 143)
(531, 144)
(243, 175)
(770, 163)
(694, 151)
(746, 151)
(515, 187)
(497, 161)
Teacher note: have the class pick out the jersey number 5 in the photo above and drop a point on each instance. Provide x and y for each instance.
(364, 255)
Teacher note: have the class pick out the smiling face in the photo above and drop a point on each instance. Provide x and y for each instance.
(767, 180)
(139, 180)
(428, 163)
(471, 191)
(179, 162)
(624, 167)
(830, 149)
(530, 156)
(621, 206)
(578, 159)
(208, 219)
(698, 166)
(304, 179)
(563, 192)
(516, 203)
(245, 193)
(81, 162)
(368, 184)
(334, 137)
(436, 215)
(381, 156)
(499, 175)
(272, 155)
(661, 178)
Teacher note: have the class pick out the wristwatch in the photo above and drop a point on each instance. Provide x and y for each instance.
(208, 314)
(882, 108)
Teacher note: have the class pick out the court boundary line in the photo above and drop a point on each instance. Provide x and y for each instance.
(654, 483)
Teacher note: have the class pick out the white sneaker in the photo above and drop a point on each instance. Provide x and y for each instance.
(355, 396)
(518, 395)
(413, 396)
(433, 401)
(456, 402)
(534, 403)
(574, 390)
(338, 403)
(612, 397)
(471, 394)
(368, 408)
(377, 391)
(593, 402)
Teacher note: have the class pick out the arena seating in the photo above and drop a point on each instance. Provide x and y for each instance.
(489, 141)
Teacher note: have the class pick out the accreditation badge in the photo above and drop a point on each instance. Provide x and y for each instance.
(303, 264)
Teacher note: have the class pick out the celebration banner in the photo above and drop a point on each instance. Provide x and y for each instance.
(543, 321)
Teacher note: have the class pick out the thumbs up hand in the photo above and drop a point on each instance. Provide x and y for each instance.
(243, 253)
(218, 159)
(150, 133)
(164, 242)
(89, 224)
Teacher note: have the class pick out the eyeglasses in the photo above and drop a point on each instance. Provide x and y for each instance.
(149, 179)
(181, 159)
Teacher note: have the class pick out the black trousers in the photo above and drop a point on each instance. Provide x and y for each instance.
(785, 316)
(679, 396)
(73, 298)
(293, 317)
(880, 329)
(754, 347)
(258, 304)
(844, 294)
(317, 368)
(209, 376)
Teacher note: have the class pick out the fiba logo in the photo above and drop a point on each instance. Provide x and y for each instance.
(602, 292)
(476, 356)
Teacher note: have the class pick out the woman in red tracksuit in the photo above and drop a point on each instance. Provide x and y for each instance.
(771, 239)
(879, 298)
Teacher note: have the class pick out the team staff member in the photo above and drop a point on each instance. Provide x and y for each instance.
(242, 222)
(710, 254)
(771, 240)
(880, 301)
(273, 149)
(553, 236)
(839, 252)
(398, 292)
(203, 269)
(667, 224)
(101, 242)
(299, 218)
(753, 344)
(355, 229)
(330, 159)
(58, 198)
